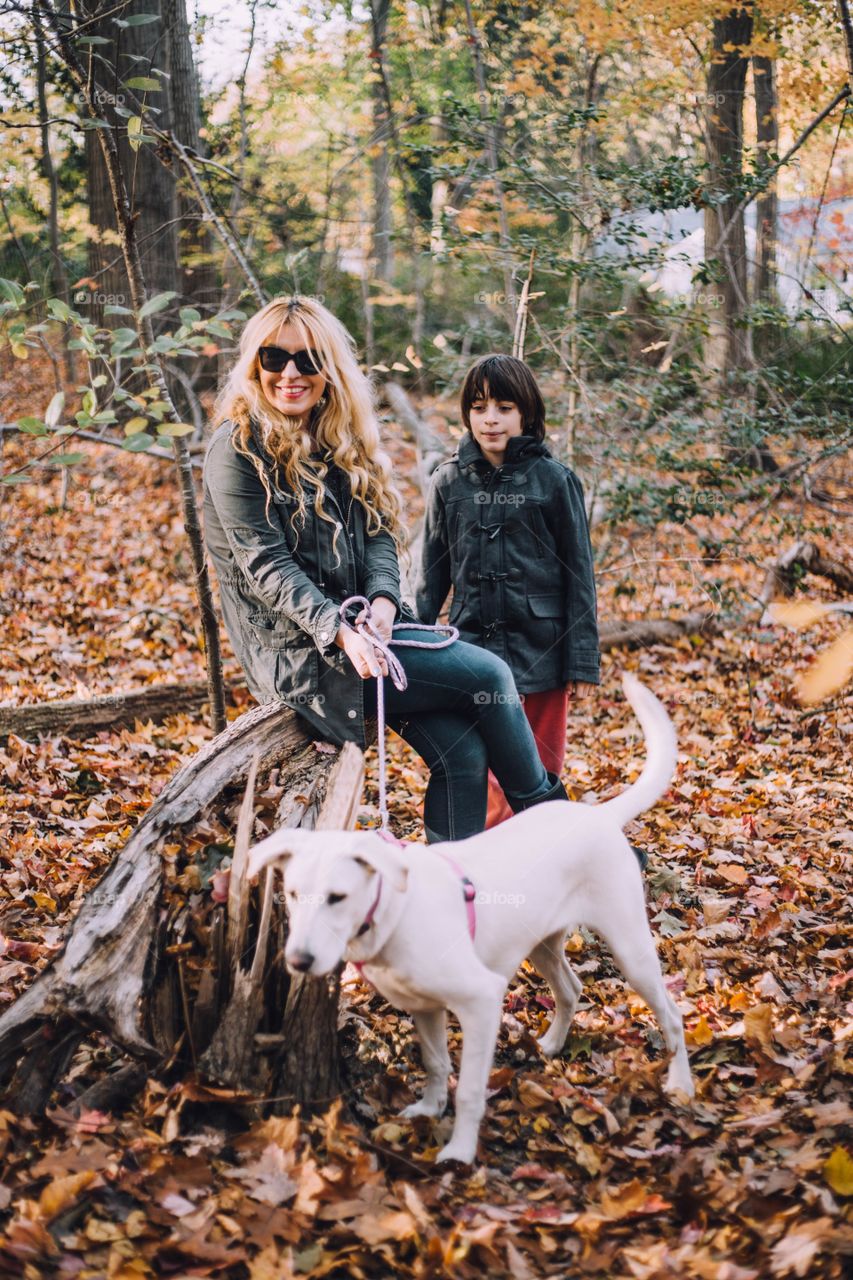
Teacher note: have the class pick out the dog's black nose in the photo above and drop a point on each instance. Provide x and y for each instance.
(301, 961)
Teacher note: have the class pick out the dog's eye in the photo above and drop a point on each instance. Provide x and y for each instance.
(334, 898)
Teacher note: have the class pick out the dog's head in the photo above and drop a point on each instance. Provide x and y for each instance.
(330, 883)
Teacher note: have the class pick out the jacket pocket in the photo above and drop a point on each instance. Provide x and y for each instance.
(546, 606)
(275, 631)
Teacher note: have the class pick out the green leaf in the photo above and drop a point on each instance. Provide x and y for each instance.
(12, 292)
(54, 409)
(114, 310)
(122, 338)
(138, 19)
(91, 40)
(174, 428)
(33, 426)
(15, 479)
(58, 309)
(138, 442)
(100, 381)
(134, 132)
(158, 303)
(189, 316)
(146, 83)
(220, 330)
(90, 402)
(67, 459)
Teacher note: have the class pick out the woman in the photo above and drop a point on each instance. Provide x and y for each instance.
(300, 513)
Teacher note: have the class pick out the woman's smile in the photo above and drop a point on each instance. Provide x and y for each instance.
(289, 389)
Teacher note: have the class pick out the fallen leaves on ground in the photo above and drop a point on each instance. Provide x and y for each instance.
(585, 1167)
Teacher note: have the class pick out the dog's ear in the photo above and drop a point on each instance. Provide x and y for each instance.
(278, 847)
(376, 854)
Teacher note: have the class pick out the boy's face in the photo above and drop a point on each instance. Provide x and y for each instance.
(493, 423)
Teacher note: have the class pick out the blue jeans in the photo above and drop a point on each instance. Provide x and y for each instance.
(462, 714)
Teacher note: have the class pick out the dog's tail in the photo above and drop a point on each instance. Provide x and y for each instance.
(661, 748)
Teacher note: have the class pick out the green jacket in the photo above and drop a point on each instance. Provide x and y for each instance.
(513, 543)
(280, 589)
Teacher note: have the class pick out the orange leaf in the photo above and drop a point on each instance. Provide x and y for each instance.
(62, 1192)
(701, 1033)
(831, 671)
(733, 872)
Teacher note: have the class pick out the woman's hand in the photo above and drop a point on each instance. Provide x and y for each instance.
(382, 614)
(579, 689)
(364, 656)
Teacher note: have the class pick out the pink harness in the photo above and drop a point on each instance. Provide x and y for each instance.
(468, 890)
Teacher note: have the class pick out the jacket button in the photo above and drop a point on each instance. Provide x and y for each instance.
(352, 713)
(324, 635)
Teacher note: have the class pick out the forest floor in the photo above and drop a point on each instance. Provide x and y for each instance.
(586, 1168)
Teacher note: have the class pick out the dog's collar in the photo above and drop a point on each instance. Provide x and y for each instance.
(368, 919)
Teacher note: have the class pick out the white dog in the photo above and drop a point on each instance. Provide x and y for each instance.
(401, 912)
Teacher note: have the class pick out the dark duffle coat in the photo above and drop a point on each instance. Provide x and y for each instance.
(513, 542)
(280, 589)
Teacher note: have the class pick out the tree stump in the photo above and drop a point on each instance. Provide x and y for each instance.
(171, 989)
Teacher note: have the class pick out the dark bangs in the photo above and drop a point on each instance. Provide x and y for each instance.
(505, 378)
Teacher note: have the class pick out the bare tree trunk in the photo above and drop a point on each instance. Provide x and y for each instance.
(383, 245)
(767, 203)
(58, 274)
(199, 282)
(579, 246)
(727, 343)
(492, 151)
(88, 88)
(132, 52)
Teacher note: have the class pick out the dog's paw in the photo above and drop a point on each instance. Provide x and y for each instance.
(679, 1081)
(422, 1108)
(461, 1151)
(550, 1045)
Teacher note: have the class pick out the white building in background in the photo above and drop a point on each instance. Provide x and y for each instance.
(808, 257)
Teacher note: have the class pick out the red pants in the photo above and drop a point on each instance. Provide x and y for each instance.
(547, 713)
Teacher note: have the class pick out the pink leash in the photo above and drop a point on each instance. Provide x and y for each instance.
(396, 672)
(398, 675)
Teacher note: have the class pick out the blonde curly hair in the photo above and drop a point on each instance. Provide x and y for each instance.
(345, 425)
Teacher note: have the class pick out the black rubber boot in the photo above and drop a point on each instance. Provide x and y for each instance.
(556, 791)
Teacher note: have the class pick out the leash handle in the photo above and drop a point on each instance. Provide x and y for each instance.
(395, 670)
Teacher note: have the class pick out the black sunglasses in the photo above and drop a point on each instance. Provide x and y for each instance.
(274, 359)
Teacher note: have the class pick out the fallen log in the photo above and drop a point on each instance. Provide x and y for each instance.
(70, 716)
(798, 560)
(646, 631)
(430, 447)
(126, 964)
